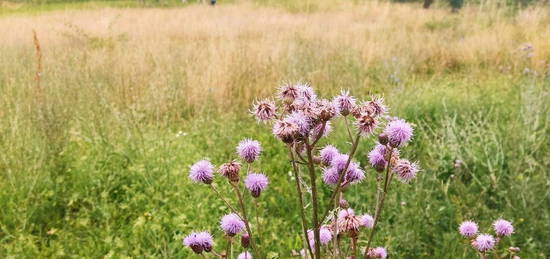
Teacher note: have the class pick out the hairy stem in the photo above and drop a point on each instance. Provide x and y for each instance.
(228, 251)
(300, 200)
(347, 128)
(314, 200)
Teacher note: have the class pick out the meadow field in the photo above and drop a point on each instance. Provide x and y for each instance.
(98, 129)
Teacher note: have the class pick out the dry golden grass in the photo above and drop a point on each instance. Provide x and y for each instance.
(165, 60)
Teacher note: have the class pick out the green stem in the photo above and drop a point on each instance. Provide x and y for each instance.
(301, 200)
(314, 200)
(225, 201)
(380, 203)
(245, 218)
(341, 177)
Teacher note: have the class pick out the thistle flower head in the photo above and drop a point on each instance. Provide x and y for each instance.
(325, 236)
(231, 224)
(354, 173)
(306, 92)
(503, 227)
(301, 120)
(288, 92)
(199, 242)
(339, 162)
(399, 132)
(405, 170)
(249, 150)
(244, 255)
(316, 131)
(378, 252)
(328, 153)
(285, 130)
(201, 172)
(348, 222)
(484, 242)
(230, 170)
(325, 110)
(377, 157)
(367, 221)
(330, 175)
(256, 183)
(344, 102)
(376, 106)
(245, 240)
(264, 110)
(366, 124)
(468, 229)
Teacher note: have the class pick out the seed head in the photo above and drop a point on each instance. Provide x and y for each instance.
(366, 124)
(230, 170)
(405, 170)
(344, 102)
(348, 222)
(264, 110)
(285, 130)
(288, 92)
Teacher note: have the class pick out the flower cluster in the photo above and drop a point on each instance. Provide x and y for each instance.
(483, 242)
(302, 120)
(236, 222)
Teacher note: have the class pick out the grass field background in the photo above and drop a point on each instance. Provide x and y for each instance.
(94, 159)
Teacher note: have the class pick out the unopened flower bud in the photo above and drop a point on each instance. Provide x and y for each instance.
(316, 160)
(343, 204)
(245, 240)
(516, 257)
(383, 138)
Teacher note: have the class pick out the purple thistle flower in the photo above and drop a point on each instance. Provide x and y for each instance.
(503, 227)
(285, 130)
(201, 172)
(288, 92)
(376, 106)
(249, 150)
(328, 153)
(366, 124)
(325, 236)
(317, 129)
(339, 162)
(399, 133)
(405, 170)
(484, 242)
(330, 176)
(347, 221)
(231, 224)
(344, 102)
(230, 170)
(367, 221)
(255, 183)
(325, 110)
(306, 92)
(377, 157)
(199, 242)
(264, 110)
(244, 255)
(468, 229)
(300, 120)
(354, 174)
(378, 252)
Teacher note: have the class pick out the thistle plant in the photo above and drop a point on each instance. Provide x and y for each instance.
(487, 244)
(301, 121)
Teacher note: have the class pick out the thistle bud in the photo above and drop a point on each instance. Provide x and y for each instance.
(245, 240)
(343, 204)
(513, 249)
(383, 138)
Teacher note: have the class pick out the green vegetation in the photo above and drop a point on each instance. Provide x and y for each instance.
(94, 160)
